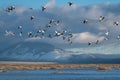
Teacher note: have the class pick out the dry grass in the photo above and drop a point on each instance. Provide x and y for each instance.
(34, 66)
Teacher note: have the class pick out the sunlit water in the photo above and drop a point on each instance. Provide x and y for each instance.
(65, 74)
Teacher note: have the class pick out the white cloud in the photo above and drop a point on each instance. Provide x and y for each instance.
(50, 4)
(33, 39)
(86, 37)
(20, 10)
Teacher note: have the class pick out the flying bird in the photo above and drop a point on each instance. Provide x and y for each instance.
(118, 37)
(30, 34)
(36, 36)
(57, 33)
(116, 23)
(89, 43)
(31, 8)
(43, 8)
(56, 22)
(20, 34)
(39, 31)
(19, 27)
(63, 32)
(68, 40)
(9, 33)
(107, 33)
(43, 32)
(106, 38)
(32, 17)
(70, 35)
(101, 18)
(85, 21)
(10, 8)
(64, 37)
(51, 21)
(97, 42)
(70, 3)
(48, 25)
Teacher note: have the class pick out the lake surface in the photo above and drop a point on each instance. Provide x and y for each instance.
(64, 74)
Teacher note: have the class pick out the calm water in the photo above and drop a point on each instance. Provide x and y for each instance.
(65, 74)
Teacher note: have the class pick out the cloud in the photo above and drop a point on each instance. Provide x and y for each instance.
(50, 4)
(86, 37)
(20, 10)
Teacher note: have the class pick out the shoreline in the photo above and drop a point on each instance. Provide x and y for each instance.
(6, 65)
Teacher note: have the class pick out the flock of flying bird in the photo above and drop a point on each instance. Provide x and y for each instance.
(64, 34)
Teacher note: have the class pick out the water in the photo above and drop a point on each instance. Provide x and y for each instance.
(65, 74)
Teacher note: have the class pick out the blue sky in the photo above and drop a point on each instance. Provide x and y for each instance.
(39, 3)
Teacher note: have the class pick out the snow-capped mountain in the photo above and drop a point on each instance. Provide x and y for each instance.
(44, 52)
(102, 48)
(32, 51)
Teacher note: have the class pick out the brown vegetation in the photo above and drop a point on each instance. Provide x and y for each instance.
(38, 65)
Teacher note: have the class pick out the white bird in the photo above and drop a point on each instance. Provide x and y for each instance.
(9, 33)
(101, 18)
(51, 21)
(106, 36)
(116, 23)
(19, 27)
(43, 8)
(39, 31)
(63, 32)
(118, 37)
(32, 17)
(85, 21)
(57, 33)
(20, 34)
(107, 33)
(30, 34)
(89, 43)
(48, 25)
(43, 32)
(11, 8)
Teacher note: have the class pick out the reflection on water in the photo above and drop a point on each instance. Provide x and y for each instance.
(65, 74)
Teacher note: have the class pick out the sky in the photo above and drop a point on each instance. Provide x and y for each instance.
(70, 20)
(38, 3)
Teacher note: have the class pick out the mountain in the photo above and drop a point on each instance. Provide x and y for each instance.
(32, 51)
(101, 48)
(44, 52)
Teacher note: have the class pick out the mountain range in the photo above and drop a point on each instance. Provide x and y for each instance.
(44, 52)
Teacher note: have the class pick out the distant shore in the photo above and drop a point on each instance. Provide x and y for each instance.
(51, 65)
